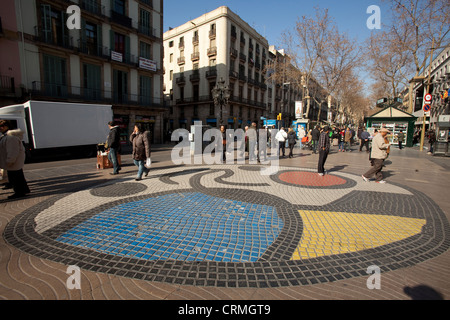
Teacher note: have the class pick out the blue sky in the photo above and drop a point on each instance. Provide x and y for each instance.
(271, 18)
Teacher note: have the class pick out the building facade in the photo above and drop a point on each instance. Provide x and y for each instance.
(217, 46)
(439, 84)
(114, 58)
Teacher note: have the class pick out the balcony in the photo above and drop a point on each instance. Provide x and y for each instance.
(56, 39)
(233, 74)
(195, 76)
(233, 53)
(121, 19)
(242, 57)
(7, 84)
(147, 31)
(212, 51)
(93, 49)
(44, 90)
(211, 73)
(212, 34)
(242, 77)
(92, 6)
(181, 80)
(181, 60)
(195, 56)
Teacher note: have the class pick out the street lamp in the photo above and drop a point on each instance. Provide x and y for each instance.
(221, 94)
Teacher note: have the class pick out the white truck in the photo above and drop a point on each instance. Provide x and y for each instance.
(59, 127)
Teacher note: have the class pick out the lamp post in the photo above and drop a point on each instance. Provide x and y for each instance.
(221, 94)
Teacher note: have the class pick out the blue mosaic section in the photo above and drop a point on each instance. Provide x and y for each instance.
(180, 226)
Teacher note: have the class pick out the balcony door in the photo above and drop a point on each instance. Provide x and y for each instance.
(120, 83)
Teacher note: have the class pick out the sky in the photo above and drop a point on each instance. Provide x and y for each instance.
(271, 18)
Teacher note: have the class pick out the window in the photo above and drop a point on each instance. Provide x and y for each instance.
(54, 29)
(55, 76)
(145, 90)
(119, 6)
(145, 50)
(170, 44)
(92, 81)
(171, 75)
(145, 24)
(171, 57)
(119, 43)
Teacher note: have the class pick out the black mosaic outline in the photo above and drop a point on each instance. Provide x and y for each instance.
(118, 190)
(272, 270)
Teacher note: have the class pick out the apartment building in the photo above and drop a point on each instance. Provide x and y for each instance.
(114, 58)
(216, 46)
(439, 75)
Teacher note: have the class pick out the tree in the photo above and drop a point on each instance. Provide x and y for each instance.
(417, 27)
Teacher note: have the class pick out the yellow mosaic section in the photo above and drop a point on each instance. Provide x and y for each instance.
(327, 233)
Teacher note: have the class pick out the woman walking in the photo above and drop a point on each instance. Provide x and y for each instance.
(141, 149)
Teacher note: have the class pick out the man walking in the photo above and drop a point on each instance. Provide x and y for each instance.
(364, 136)
(113, 144)
(379, 154)
(324, 149)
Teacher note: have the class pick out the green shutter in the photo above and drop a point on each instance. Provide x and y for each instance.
(145, 90)
(99, 40)
(127, 49)
(111, 40)
(46, 22)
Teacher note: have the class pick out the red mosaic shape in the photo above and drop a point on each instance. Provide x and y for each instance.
(311, 179)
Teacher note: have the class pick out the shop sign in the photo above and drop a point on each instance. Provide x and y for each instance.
(116, 56)
(147, 64)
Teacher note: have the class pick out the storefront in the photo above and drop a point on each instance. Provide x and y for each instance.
(395, 120)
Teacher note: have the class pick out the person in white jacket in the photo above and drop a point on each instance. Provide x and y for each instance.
(281, 137)
(12, 159)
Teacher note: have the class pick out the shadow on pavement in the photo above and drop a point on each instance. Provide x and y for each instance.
(423, 292)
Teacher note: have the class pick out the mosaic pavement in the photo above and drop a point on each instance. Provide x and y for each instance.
(231, 226)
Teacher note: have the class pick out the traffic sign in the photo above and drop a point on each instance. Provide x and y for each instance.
(426, 108)
(427, 97)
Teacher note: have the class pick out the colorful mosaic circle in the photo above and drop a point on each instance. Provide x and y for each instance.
(233, 226)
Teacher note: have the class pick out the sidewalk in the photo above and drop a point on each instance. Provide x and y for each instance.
(228, 232)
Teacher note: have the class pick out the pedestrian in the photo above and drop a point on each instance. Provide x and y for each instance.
(364, 137)
(113, 144)
(252, 135)
(224, 142)
(400, 138)
(12, 158)
(140, 139)
(291, 137)
(324, 149)
(315, 134)
(377, 156)
(431, 140)
(301, 135)
(341, 140)
(281, 137)
(348, 136)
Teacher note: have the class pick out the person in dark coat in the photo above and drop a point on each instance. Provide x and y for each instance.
(315, 134)
(324, 149)
(291, 137)
(113, 144)
(140, 140)
(12, 158)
